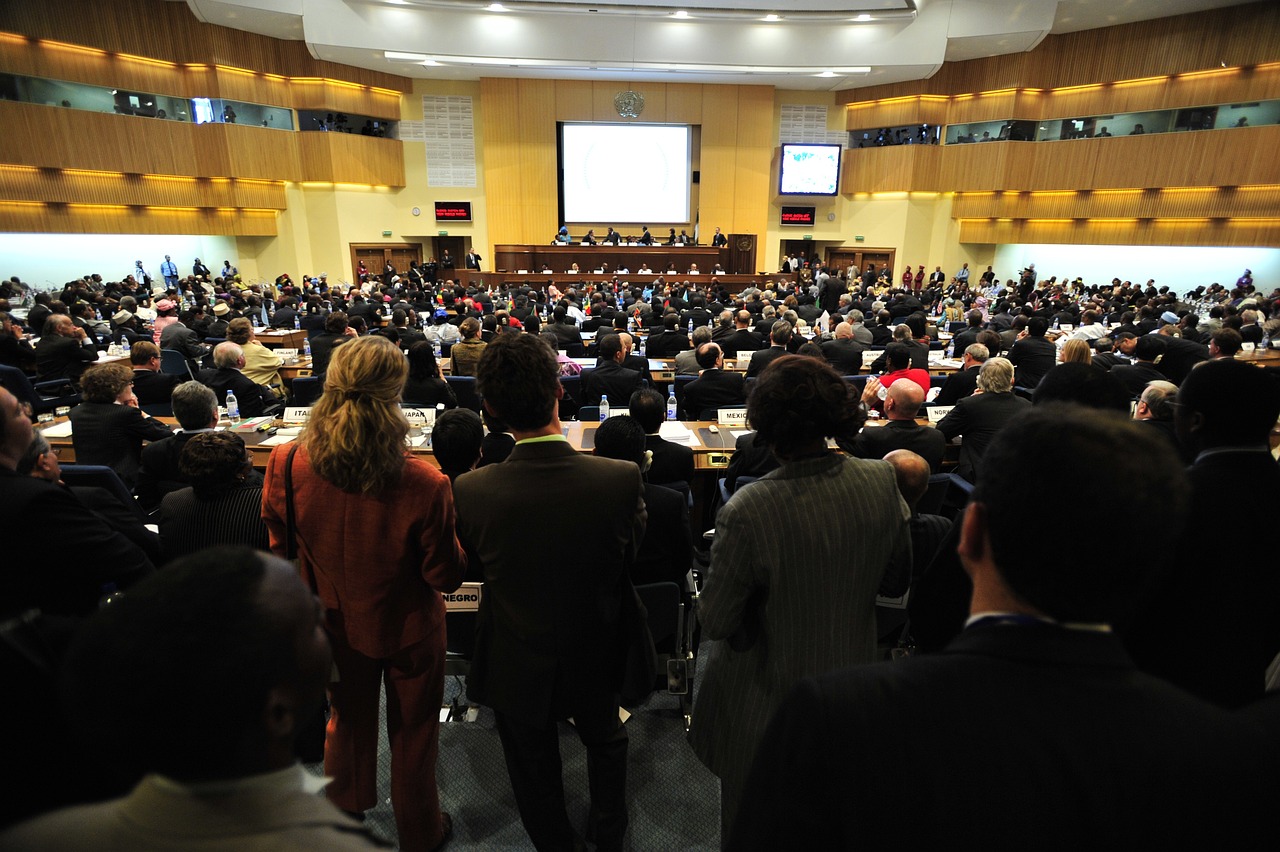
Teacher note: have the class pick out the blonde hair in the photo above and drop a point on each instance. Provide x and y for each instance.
(1077, 351)
(355, 435)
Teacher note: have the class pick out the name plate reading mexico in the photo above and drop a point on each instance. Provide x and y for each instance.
(731, 417)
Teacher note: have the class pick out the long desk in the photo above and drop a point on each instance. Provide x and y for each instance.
(565, 280)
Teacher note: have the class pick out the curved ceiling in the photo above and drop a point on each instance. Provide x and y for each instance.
(790, 44)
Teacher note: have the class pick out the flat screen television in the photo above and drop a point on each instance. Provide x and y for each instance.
(625, 173)
(809, 170)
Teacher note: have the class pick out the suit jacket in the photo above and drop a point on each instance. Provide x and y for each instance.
(764, 358)
(95, 554)
(978, 418)
(188, 524)
(60, 357)
(960, 384)
(378, 605)
(254, 399)
(775, 588)
(750, 458)
(548, 628)
(1179, 357)
(713, 389)
(1031, 357)
(152, 386)
(613, 379)
(1134, 377)
(1013, 732)
(110, 434)
(687, 363)
(665, 553)
(159, 473)
(874, 442)
(322, 346)
(666, 344)
(741, 340)
(466, 355)
(845, 354)
(671, 462)
(182, 339)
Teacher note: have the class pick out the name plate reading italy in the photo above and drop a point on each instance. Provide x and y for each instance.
(296, 414)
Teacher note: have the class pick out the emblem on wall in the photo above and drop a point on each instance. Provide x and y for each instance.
(629, 104)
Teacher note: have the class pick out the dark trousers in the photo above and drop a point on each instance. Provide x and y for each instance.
(533, 764)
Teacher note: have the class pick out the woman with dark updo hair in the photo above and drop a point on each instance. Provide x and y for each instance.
(798, 559)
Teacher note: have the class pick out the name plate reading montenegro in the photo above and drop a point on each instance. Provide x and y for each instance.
(731, 417)
(424, 417)
(465, 599)
(935, 413)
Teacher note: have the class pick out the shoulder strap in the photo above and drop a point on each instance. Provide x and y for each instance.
(291, 527)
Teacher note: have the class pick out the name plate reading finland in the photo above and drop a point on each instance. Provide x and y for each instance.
(288, 354)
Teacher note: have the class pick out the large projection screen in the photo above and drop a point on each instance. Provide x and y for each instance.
(624, 173)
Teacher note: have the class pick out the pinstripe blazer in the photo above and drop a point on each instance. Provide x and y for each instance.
(798, 559)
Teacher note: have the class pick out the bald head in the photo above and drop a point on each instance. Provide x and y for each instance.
(843, 330)
(903, 400)
(744, 318)
(912, 473)
(227, 354)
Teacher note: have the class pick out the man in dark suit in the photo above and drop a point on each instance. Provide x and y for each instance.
(1035, 706)
(844, 353)
(714, 388)
(697, 312)
(780, 335)
(742, 339)
(149, 384)
(610, 378)
(549, 628)
(1031, 354)
(107, 427)
(967, 337)
(64, 349)
(15, 350)
(473, 259)
(336, 332)
(564, 328)
(286, 313)
(1179, 355)
(1211, 623)
(963, 382)
(901, 431)
(978, 418)
(196, 409)
(254, 399)
(1136, 376)
(669, 342)
(669, 462)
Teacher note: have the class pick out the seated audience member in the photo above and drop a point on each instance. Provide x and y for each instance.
(41, 462)
(1211, 621)
(669, 342)
(1085, 385)
(223, 504)
(897, 357)
(639, 363)
(669, 462)
(108, 427)
(969, 335)
(911, 471)
(336, 332)
(844, 352)
(917, 353)
(610, 378)
(261, 365)
(769, 608)
(1113, 351)
(455, 441)
(980, 416)
(1155, 408)
(226, 628)
(498, 441)
(963, 382)
(1111, 752)
(742, 339)
(254, 399)
(687, 361)
(179, 336)
(1180, 356)
(466, 353)
(900, 432)
(15, 349)
(196, 409)
(149, 384)
(51, 515)
(751, 458)
(780, 335)
(665, 553)
(714, 388)
(1147, 351)
(64, 350)
(1225, 343)
(1076, 351)
(1031, 355)
(426, 385)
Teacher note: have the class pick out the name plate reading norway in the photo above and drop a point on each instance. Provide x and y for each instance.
(935, 413)
(731, 417)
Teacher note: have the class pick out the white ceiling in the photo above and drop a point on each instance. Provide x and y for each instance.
(814, 44)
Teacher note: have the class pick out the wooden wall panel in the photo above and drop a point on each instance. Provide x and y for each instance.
(36, 135)
(346, 158)
(574, 100)
(539, 197)
(1170, 232)
(24, 217)
(23, 183)
(684, 103)
(717, 191)
(500, 122)
(753, 172)
(1174, 202)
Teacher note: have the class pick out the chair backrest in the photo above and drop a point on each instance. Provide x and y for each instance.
(101, 476)
(662, 602)
(937, 381)
(158, 409)
(16, 382)
(174, 363)
(307, 389)
(214, 341)
(946, 495)
(589, 414)
(572, 386)
(464, 387)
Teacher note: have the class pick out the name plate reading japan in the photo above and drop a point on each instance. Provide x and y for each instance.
(424, 417)
(731, 417)
(465, 599)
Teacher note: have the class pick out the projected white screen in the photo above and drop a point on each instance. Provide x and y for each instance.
(615, 173)
(809, 170)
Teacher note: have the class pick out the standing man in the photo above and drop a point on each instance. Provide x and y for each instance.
(549, 631)
(140, 275)
(937, 278)
(963, 276)
(169, 271)
(473, 260)
(199, 270)
(719, 240)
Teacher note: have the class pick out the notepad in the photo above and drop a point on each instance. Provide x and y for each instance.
(58, 430)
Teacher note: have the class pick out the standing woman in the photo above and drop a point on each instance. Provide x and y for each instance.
(791, 592)
(353, 483)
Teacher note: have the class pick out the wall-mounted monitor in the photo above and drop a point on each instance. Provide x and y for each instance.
(809, 170)
(798, 216)
(453, 211)
(625, 173)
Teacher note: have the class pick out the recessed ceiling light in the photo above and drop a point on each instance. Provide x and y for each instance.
(827, 74)
(863, 17)
(430, 63)
(398, 2)
(772, 17)
(680, 14)
(404, 57)
(496, 7)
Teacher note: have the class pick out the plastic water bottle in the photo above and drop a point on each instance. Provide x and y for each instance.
(690, 326)
(951, 349)
(233, 408)
(125, 348)
(1055, 323)
(297, 323)
(671, 404)
(435, 347)
(255, 321)
(604, 408)
(306, 346)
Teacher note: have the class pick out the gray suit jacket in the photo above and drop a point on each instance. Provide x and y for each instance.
(779, 585)
(547, 636)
